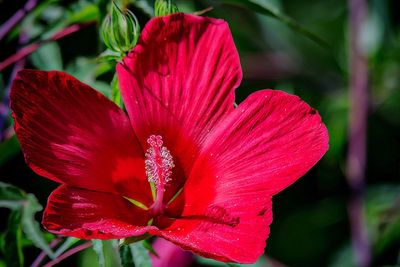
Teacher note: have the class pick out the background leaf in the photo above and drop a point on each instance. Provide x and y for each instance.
(47, 57)
(135, 255)
(140, 255)
(31, 227)
(126, 256)
(266, 8)
(98, 248)
(12, 241)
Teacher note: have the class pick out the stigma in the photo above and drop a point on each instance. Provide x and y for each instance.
(159, 164)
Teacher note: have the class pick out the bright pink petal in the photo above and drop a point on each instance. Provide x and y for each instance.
(179, 82)
(271, 140)
(93, 215)
(170, 255)
(74, 135)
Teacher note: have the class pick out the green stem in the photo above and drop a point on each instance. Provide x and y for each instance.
(116, 92)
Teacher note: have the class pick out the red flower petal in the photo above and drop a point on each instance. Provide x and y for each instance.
(71, 134)
(271, 140)
(93, 215)
(179, 82)
(232, 229)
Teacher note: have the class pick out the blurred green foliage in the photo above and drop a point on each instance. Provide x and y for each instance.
(21, 220)
(297, 46)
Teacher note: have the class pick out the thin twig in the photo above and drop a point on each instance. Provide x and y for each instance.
(25, 51)
(68, 254)
(17, 17)
(356, 158)
(4, 104)
(43, 254)
(203, 11)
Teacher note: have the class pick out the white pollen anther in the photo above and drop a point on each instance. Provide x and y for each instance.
(158, 163)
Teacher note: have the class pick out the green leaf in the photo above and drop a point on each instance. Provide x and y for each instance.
(31, 227)
(47, 57)
(84, 13)
(140, 256)
(87, 71)
(10, 192)
(266, 8)
(126, 256)
(26, 205)
(110, 252)
(135, 255)
(343, 258)
(98, 248)
(383, 216)
(11, 197)
(12, 241)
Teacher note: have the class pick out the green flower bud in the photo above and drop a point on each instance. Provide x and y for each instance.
(120, 30)
(164, 8)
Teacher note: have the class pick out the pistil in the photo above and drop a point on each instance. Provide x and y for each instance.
(159, 164)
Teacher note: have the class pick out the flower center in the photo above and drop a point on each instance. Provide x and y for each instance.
(158, 164)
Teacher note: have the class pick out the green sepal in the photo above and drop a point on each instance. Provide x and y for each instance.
(164, 8)
(120, 30)
(133, 239)
(109, 55)
(147, 245)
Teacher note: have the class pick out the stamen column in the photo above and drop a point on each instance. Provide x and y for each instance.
(159, 164)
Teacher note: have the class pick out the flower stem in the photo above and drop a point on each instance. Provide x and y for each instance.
(356, 158)
(4, 104)
(68, 254)
(43, 254)
(17, 17)
(27, 50)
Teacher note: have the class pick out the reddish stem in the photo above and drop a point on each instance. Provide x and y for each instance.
(25, 51)
(4, 104)
(43, 254)
(68, 254)
(17, 17)
(356, 159)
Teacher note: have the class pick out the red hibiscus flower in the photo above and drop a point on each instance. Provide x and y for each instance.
(184, 164)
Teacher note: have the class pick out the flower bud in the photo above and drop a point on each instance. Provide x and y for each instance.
(164, 8)
(120, 30)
